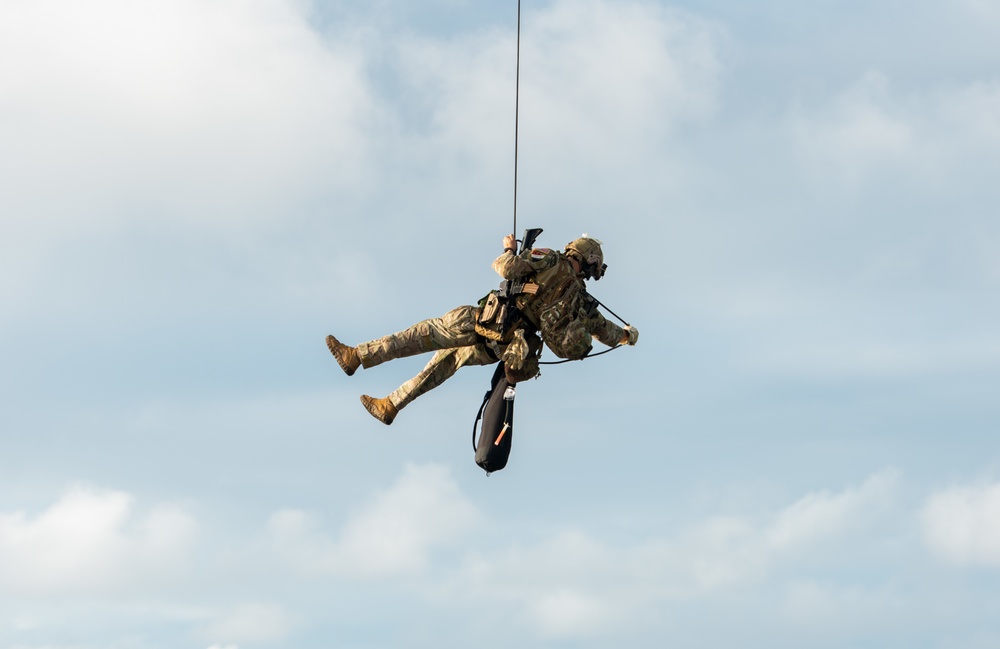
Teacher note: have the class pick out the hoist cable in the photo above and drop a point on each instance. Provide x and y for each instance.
(570, 360)
(517, 100)
(517, 110)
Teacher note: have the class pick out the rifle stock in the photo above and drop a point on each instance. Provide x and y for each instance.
(528, 240)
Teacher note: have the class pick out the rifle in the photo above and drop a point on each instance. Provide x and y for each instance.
(510, 287)
(528, 241)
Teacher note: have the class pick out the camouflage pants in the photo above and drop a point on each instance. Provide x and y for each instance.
(453, 336)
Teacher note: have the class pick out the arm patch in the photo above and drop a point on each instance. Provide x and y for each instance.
(538, 254)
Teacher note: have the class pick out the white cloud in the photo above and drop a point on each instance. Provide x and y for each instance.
(572, 585)
(981, 9)
(973, 113)
(189, 128)
(202, 106)
(218, 113)
(569, 613)
(835, 608)
(962, 524)
(824, 514)
(937, 135)
(611, 78)
(860, 133)
(601, 83)
(394, 535)
(554, 584)
(711, 554)
(250, 623)
(91, 540)
(133, 117)
(800, 327)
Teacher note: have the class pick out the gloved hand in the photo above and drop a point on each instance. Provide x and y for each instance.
(510, 243)
(516, 352)
(631, 336)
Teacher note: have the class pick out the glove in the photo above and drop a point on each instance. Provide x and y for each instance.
(516, 352)
(631, 336)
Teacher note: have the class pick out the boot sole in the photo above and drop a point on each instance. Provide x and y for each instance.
(332, 344)
(369, 404)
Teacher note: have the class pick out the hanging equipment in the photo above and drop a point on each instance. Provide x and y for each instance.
(492, 443)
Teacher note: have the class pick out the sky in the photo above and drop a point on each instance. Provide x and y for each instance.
(798, 209)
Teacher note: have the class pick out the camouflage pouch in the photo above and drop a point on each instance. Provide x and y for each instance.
(491, 318)
(567, 336)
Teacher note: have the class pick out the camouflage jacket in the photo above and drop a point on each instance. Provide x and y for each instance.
(556, 301)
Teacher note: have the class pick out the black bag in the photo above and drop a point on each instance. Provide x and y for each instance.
(497, 413)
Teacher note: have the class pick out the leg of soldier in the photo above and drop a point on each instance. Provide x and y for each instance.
(441, 367)
(457, 328)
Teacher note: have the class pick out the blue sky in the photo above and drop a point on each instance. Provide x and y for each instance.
(798, 204)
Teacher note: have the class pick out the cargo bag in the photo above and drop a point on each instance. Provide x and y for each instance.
(497, 414)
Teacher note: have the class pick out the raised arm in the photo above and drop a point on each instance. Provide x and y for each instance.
(512, 266)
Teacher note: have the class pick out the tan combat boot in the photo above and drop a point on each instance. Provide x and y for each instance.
(381, 409)
(347, 357)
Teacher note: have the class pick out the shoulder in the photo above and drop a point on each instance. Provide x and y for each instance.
(542, 258)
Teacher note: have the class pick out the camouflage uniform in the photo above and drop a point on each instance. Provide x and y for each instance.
(557, 302)
(560, 301)
(453, 336)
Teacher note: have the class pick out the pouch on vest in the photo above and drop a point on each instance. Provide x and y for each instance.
(497, 413)
(491, 319)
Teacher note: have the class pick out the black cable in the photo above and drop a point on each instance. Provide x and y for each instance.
(517, 100)
(601, 304)
(570, 360)
(517, 107)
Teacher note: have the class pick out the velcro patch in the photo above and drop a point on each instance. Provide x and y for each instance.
(537, 254)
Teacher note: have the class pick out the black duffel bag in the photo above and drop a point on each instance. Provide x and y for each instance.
(497, 413)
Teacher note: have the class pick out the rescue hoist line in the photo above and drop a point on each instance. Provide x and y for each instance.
(524, 242)
(517, 106)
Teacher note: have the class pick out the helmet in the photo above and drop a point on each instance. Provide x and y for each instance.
(588, 251)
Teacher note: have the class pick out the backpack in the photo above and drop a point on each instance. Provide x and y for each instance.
(497, 414)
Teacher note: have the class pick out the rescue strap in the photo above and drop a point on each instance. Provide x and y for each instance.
(601, 304)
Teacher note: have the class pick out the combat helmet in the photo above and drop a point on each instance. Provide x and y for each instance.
(588, 251)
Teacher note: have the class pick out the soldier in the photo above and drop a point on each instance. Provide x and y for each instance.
(546, 293)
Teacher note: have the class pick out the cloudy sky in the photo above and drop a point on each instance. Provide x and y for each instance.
(799, 209)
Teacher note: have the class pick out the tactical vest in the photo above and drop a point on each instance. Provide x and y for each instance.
(496, 318)
(559, 308)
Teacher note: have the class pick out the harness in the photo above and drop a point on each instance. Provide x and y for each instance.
(498, 316)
